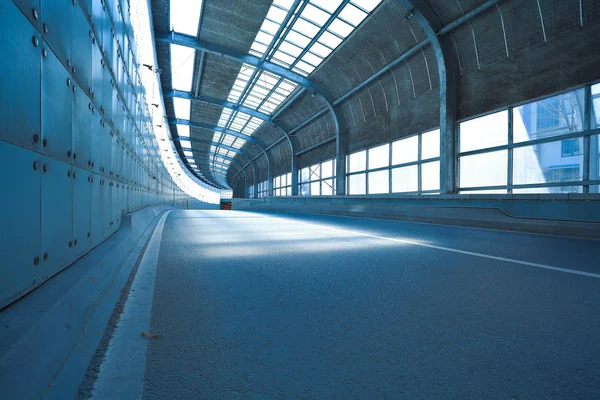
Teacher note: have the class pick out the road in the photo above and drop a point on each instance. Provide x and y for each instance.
(288, 306)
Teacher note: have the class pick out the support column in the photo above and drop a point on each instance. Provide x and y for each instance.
(255, 185)
(294, 175)
(341, 151)
(446, 63)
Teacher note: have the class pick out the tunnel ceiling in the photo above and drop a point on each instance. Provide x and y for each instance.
(240, 76)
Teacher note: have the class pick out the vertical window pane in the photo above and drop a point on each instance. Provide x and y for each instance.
(315, 188)
(554, 116)
(595, 122)
(327, 187)
(327, 169)
(487, 131)
(289, 178)
(315, 172)
(595, 157)
(304, 175)
(379, 182)
(405, 179)
(430, 144)
(379, 156)
(357, 184)
(405, 150)
(358, 161)
(489, 169)
(430, 176)
(548, 162)
(304, 189)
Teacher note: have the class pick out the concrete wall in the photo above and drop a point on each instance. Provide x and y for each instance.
(76, 145)
(569, 215)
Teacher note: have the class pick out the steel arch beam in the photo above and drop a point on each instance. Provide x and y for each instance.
(235, 55)
(447, 71)
(245, 58)
(218, 129)
(211, 143)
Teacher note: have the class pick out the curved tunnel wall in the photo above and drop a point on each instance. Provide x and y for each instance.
(77, 150)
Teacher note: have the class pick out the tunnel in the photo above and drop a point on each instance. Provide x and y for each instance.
(299, 199)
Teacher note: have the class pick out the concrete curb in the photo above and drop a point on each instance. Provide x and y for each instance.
(50, 336)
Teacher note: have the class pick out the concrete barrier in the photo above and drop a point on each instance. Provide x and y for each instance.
(567, 215)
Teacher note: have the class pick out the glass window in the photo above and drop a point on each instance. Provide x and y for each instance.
(595, 114)
(304, 175)
(487, 131)
(327, 169)
(487, 169)
(430, 144)
(315, 188)
(558, 115)
(358, 161)
(430, 176)
(304, 189)
(379, 156)
(315, 172)
(327, 187)
(405, 179)
(595, 157)
(357, 184)
(379, 182)
(405, 150)
(544, 163)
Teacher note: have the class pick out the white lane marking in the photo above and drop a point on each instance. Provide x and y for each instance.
(469, 253)
(122, 371)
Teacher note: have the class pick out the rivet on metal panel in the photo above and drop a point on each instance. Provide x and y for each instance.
(36, 41)
(70, 244)
(68, 81)
(36, 261)
(74, 70)
(88, 234)
(45, 27)
(44, 53)
(69, 173)
(90, 106)
(75, 242)
(74, 174)
(44, 142)
(35, 138)
(89, 163)
(74, 88)
(35, 13)
(44, 168)
(74, 156)
(35, 165)
(68, 153)
(45, 256)
(68, 63)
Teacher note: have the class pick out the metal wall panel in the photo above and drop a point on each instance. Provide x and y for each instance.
(20, 78)
(107, 207)
(57, 216)
(96, 219)
(20, 248)
(31, 9)
(56, 26)
(81, 48)
(82, 208)
(57, 94)
(97, 75)
(82, 127)
(96, 133)
(107, 140)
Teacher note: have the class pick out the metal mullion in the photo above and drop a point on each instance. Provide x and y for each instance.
(510, 169)
(587, 116)
(367, 170)
(550, 139)
(419, 172)
(285, 28)
(270, 92)
(534, 185)
(390, 182)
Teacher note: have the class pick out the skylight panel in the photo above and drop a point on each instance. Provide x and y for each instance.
(182, 67)
(315, 15)
(290, 49)
(330, 40)
(320, 50)
(297, 39)
(183, 130)
(340, 28)
(287, 4)
(276, 14)
(367, 5)
(185, 15)
(182, 108)
(285, 59)
(263, 37)
(304, 68)
(306, 28)
(188, 154)
(258, 48)
(353, 15)
(312, 59)
(328, 5)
